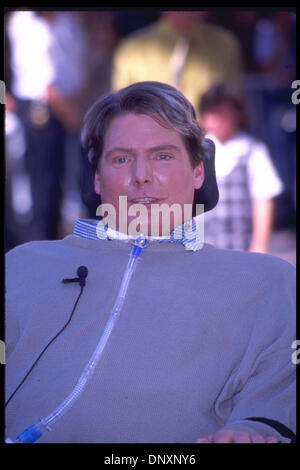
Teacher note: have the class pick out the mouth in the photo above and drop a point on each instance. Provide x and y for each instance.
(145, 200)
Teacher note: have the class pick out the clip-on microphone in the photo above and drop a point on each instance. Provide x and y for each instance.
(82, 273)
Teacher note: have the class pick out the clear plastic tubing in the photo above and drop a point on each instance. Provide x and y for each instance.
(34, 432)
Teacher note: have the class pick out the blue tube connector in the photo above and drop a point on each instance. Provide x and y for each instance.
(140, 243)
(30, 435)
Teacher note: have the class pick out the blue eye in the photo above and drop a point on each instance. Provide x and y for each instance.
(163, 156)
(120, 160)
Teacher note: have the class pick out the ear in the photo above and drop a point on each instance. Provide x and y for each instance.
(199, 175)
(97, 184)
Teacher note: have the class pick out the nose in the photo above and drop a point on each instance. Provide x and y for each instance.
(142, 171)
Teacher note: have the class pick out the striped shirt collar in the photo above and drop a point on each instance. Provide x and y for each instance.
(190, 234)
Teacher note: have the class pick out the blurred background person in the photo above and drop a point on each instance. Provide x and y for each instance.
(274, 39)
(18, 200)
(268, 89)
(47, 75)
(102, 35)
(247, 179)
(182, 49)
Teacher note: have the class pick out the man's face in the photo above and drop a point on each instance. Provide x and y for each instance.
(149, 164)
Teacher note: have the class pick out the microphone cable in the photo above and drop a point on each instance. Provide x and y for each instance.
(82, 273)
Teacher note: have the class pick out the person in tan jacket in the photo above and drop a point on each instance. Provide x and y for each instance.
(180, 49)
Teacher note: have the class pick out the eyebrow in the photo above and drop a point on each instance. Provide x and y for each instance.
(132, 151)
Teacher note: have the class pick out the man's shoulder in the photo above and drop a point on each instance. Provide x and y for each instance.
(30, 252)
(258, 265)
(253, 258)
(32, 246)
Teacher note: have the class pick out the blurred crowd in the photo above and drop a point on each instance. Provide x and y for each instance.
(58, 63)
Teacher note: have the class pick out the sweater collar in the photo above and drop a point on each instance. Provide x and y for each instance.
(190, 234)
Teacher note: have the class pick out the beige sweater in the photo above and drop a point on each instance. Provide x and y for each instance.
(203, 341)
